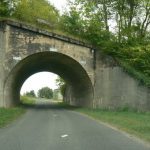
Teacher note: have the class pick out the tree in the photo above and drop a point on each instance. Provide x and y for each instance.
(61, 85)
(4, 8)
(87, 20)
(30, 93)
(45, 92)
(144, 21)
(125, 12)
(125, 21)
(7, 7)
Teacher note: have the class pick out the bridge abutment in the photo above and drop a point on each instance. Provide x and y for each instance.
(3, 45)
(116, 89)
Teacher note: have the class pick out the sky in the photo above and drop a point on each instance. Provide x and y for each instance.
(59, 4)
(39, 80)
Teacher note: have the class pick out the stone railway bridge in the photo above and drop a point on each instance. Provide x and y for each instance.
(93, 79)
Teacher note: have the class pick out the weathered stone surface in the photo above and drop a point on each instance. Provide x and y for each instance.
(116, 89)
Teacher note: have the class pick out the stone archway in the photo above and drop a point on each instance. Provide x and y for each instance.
(79, 91)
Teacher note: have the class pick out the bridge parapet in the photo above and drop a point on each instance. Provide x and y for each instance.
(45, 33)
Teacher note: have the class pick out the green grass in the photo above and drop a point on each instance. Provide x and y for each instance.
(7, 115)
(47, 28)
(135, 123)
(26, 100)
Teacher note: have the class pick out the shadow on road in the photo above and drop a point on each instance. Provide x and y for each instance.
(49, 105)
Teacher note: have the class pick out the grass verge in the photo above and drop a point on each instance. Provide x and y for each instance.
(135, 123)
(26, 100)
(8, 115)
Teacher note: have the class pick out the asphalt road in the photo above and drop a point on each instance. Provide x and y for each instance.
(51, 128)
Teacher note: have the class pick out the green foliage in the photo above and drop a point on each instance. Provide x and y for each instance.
(90, 19)
(45, 92)
(34, 11)
(9, 114)
(140, 76)
(39, 12)
(136, 61)
(30, 93)
(127, 42)
(7, 7)
(84, 24)
(4, 8)
(72, 23)
(61, 85)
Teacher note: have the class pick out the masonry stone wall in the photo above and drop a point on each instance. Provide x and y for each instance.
(114, 88)
(23, 43)
(2, 52)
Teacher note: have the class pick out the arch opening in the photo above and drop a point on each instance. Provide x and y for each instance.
(38, 81)
(79, 89)
(42, 87)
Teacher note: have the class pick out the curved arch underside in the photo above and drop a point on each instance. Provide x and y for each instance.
(79, 91)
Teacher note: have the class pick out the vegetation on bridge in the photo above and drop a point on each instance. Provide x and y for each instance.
(33, 11)
(40, 14)
(119, 28)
